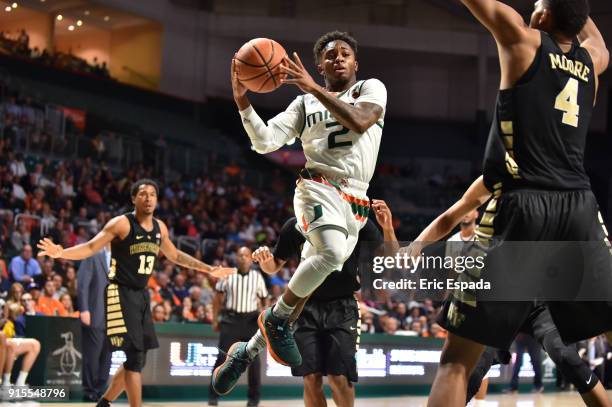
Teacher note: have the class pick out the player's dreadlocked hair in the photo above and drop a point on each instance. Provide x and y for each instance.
(569, 16)
(333, 36)
(144, 181)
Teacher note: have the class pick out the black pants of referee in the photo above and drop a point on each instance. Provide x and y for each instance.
(239, 327)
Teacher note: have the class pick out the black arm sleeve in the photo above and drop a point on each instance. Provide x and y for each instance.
(290, 241)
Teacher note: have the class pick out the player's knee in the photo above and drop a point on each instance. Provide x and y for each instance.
(35, 346)
(135, 360)
(313, 382)
(338, 382)
(334, 254)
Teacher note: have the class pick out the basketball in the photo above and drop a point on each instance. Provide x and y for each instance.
(258, 64)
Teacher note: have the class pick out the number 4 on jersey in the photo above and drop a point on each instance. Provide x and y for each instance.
(567, 102)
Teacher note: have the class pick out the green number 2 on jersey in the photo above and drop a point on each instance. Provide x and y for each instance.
(567, 102)
(331, 139)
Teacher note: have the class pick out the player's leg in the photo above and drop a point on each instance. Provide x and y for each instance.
(343, 392)
(535, 354)
(30, 348)
(341, 328)
(480, 396)
(9, 362)
(313, 391)
(3, 351)
(518, 363)
(330, 247)
(114, 390)
(459, 357)
(133, 366)
(574, 369)
(477, 378)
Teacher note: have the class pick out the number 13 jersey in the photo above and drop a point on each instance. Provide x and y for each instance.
(329, 147)
(540, 125)
(134, 258)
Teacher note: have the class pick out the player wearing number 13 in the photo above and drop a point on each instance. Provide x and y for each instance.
(136, 239)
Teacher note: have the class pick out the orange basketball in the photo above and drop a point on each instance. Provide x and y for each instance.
(258, 65)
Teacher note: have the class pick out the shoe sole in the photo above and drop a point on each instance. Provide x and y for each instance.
(230, 350)
(277, 358)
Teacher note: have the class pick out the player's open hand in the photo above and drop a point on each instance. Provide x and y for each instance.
(383, 213)
(48, 248)
(220, 272)
(238, 89)
(299, 75)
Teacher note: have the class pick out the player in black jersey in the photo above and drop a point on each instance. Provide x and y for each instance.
(327, 323)
(533, 166)
(136, 239)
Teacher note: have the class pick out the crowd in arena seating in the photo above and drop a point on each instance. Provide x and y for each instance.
(18, 44)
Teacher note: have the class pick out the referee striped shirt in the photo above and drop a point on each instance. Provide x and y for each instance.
(243, 292)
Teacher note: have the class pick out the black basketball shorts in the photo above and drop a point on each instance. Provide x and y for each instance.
(529, 215)
(327, 336)
(129, 323)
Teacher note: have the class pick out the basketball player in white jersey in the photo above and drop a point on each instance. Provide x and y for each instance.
(340, 128)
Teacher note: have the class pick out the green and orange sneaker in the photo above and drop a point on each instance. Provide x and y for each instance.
(279, 336)
(226, 375)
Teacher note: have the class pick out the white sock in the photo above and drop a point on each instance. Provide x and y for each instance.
(479, 403)
(282, 310)
(6, 379)
(21, 379)
(256, 344)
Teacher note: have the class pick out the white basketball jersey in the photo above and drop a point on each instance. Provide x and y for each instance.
(330, 147)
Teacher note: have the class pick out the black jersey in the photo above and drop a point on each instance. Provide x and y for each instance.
(540, 125)
(134, 258)
(339, 284)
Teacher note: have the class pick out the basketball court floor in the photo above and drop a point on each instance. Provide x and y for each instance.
(520, 400)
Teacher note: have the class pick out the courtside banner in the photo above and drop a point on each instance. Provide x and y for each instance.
(487, 271)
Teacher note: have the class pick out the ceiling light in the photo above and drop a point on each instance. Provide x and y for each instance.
(70, 27)
(14, 5)
(106, 18)
(60, 17)
(8, 8)
(79, 23)
(86, 12)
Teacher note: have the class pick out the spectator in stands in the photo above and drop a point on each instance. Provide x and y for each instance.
(390, 325)
(47, 304)
(159, 314)
(60, 289)
(66, 301)
(21, 236)
(17, 165)
(17, 346)
(179, 288)
(24, 268)
(71, 281)
(15, 293)
(187, 313)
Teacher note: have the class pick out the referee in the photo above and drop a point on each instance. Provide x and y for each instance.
(236, 306)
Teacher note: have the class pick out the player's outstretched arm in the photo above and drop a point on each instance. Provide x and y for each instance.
(476, 195)
(591, 39)
(266, 260)
(181, 258)
(118, 226)
(358, 118)
(384, 217)
(506, 25)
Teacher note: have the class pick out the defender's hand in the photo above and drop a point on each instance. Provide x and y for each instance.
(299, 75)
(383, 213)
(48, 248)
(262, 255)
